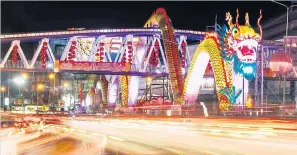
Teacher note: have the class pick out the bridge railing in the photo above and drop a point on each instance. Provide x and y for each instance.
(20, 65)
(9, 64)
(152, 69)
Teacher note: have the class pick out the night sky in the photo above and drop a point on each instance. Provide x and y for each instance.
(46, 16)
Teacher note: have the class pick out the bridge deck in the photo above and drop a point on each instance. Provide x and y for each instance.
(194, 35)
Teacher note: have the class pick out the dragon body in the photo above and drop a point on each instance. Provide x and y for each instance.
(160, 19)
(130, 84)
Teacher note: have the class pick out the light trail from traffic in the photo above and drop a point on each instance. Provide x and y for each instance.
(127, 135)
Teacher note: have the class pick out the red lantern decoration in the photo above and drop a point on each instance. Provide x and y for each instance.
(281, 63)
(129, 52)
(71, 52)
(14, 54)
(43, 54)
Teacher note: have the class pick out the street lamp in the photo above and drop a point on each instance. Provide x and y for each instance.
(3, 89)
(288, 8)
(66, 85)
(51, 76)
(285, 41)
(19, 81)
(149, 80)
(25, 75)
(39, 87)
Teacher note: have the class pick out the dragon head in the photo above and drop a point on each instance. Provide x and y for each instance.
(239, 44)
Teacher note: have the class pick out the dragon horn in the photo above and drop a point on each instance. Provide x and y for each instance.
(237, 16)
(247, 22)
(229, 19)
(259, 25)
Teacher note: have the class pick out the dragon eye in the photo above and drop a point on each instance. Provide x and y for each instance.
(234, 30)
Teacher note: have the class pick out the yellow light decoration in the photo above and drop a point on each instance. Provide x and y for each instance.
(125, 80)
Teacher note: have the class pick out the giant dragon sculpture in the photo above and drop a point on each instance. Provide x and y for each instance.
(231, 51)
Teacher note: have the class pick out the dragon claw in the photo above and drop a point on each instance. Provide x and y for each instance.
(231, 94)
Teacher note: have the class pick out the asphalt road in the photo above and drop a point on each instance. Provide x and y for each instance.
(201, 136)
(94, 136)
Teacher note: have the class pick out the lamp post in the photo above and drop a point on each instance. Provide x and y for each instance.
(66, 86)
(3, 89)
(51, 76)
(285, 41)
(39, 87)
(20, 81)
(149, 81)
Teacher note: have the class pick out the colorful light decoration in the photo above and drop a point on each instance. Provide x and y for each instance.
(15, 54)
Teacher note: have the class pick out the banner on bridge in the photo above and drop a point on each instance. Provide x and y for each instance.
(91, 66)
